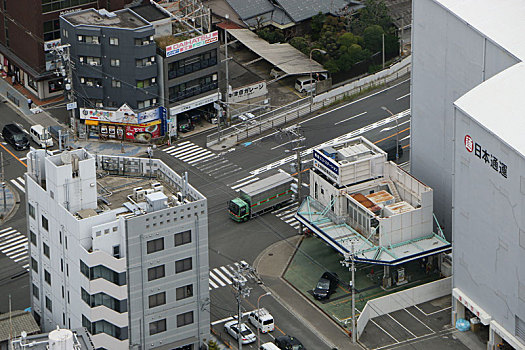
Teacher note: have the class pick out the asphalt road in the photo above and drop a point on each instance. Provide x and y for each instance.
(231, 242)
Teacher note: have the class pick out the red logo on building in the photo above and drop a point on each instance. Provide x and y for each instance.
(469, 144)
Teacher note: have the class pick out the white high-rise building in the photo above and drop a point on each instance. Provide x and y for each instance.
(467, 142)
(119, 245)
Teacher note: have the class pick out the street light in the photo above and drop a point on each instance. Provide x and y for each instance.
(259, 317)
(397, 131)
(311, 83)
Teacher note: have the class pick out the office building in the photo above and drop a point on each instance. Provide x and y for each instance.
(119, 246)
(466, 140)
(28, 35)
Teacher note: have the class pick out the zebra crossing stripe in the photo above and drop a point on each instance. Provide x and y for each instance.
(17, 185)
(183, 143)
(15, 247)
(167, 149)
(192, 155)
(9, 242)
(222, 276)
(244, 183)
(16, 251)
(22, 180)
(223, 268)
(5, 229)
(213, 284)
(201, 159)
(18, 257)
(216, 279)
(7, 233)
(183, 149)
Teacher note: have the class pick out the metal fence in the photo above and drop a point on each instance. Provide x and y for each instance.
(282, 115)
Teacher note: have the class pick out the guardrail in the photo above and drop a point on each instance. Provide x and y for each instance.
(296, 109)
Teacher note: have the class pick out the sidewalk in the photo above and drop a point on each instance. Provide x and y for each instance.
(271, 265)
(12, 199)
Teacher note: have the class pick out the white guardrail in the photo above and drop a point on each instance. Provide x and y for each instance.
(284, 114)
(400, 300)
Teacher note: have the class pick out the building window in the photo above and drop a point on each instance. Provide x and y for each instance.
(49, 304)
(185, 319)
(32, 236)
(88, 39)
(113, 41)
(193, 87)
(155, 245)
(143, 41)
(52, 30)
(145, 83)
(157, 299)
(157, 326)
(183, 265)
(182, 238)
(34, 264)
(46, 250)
(36, 292)
(192, 64)
(56, 5)
(184, 292)
(47, 277)
(45, 223)
(116, 251)
(114, 62)
(156, 272)
(65, 33)
(146, 104)
(106, 327)
(55, 85)
(104, 299)
(146, 61)
(101, 271)
(93, 61)
(91, 82)
(31, 210)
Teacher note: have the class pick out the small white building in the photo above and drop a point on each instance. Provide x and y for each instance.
(118, 245)
(356, 195)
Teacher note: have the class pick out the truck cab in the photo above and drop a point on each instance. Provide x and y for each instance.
(239, 210)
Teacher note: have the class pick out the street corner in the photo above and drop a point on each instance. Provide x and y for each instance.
(273, 260)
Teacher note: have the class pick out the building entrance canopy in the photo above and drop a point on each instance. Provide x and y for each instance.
(283, 56)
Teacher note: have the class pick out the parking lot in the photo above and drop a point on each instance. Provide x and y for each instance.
(428, 325)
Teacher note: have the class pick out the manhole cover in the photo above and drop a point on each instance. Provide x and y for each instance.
(270, 254)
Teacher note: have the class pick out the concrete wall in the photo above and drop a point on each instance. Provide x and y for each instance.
(489, 225)
(449, 58)
(400, 300)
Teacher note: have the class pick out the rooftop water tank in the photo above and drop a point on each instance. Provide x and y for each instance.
(61, 339)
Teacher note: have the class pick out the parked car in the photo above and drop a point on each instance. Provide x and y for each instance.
(262, 320)
(16, 136)
(185, 125)
(326, 285)
(269, 346)
(286, 342)
(246, 333)
(41, 136)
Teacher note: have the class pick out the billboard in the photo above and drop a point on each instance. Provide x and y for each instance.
(192, 43)
(248, 91)
(124, 115)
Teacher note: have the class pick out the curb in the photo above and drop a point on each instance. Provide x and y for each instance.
(16, 204)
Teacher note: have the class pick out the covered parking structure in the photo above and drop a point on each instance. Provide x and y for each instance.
(282, 56)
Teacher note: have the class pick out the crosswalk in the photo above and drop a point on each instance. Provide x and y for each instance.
(20, 183)
(205, 160)
(287, 214)
(14, 245)
(222, 276)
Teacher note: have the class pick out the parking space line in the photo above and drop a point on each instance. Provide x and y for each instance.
(423, 323)
(436, 312)
(381, 328)
(406, 329)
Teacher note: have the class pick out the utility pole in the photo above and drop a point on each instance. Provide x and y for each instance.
(351, 264)
(299, 167)
(3, 180)
(241, 291)
(66, 71)
(383, 48)
(227, 73)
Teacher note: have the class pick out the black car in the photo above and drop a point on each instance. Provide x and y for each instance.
(286, 342)
(14, 135)
(326, 285)
(390, 149)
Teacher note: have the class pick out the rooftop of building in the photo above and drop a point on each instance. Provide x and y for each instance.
(63, 339)
(350, 151)
(15, 323)
(124, 18)
(151, 12)
(487, 16)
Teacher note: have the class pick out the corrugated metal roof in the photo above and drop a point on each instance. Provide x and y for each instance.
(247, 9)
(21, 320)
(299, 10)
(283, 56)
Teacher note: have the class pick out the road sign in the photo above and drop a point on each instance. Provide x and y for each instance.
(71, 106)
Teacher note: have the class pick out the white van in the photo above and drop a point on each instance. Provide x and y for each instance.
(304, 84)
(41, 136)
(262, 320)
(269, 346)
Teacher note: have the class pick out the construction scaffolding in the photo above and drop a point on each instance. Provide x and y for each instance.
(191, 12)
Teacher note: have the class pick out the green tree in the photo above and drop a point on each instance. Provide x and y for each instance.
(331, 66)
(301, 44)
(375, 12)
(317, 25)
(373, 38)
(212, 345)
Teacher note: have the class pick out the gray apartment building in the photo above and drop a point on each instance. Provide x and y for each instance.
(119, 246)
(113, 54)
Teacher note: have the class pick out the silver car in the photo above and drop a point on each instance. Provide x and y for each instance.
(246, 333)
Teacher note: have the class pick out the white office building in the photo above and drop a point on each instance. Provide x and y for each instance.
(119, 246)
(467, 142)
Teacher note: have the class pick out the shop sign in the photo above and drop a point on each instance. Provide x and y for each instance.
(192, 43)
(327, 163)
(249, 91)
(50, 45)
(142, 133)
(194, 104)
(150, 115)
(484, 155)
(124, 115)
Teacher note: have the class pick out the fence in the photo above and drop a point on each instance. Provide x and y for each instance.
(284, 114)
(400, 300)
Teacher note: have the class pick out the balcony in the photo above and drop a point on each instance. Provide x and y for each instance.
(147, 71)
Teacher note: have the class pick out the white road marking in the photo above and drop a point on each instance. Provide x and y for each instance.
(381, 328)
(7, 233)
(238, 186)
(213, 284)
(423, 323)
(220, 274)
(17, 185)
(21, 179)
(406, 329)
(399, 98)
(198, 154)
(201, 159)
(347, 119)
(216, 279)
(169, 148)
(183, 143)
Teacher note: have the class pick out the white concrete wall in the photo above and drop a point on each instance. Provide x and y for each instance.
(489, 225)
(449, 58)
(400, 300)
